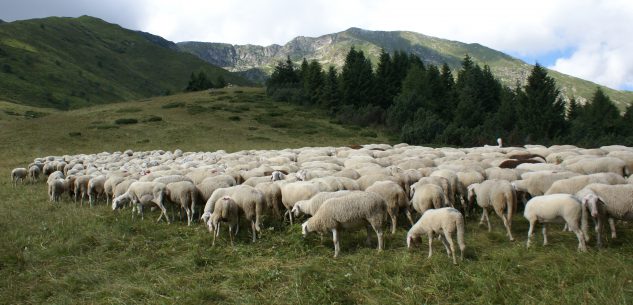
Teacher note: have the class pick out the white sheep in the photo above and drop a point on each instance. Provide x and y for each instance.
(428, 196)
(184, 194)
(575, 184)
(498, 195)
(250, 200)
(552, 208)
(465, 179)
(142, 193)
(442, 222)
(81, 187)
(348, 212)
(109, 186)
(225, 210)
(56, 188)
(599, 165)
(295, 191)
(18, 174)
(312, 205)
(96, 187)
(396, 199)
(272, 195)
(34, 172)
(608, 202)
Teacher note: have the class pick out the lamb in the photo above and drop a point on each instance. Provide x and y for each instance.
(96, 188)
(312, 205)
(396, 199)
(293, 192)
(18, 174)
(498, 195)
(428, 196)
(575, 184)
(348, 212)
(183, 194)
(608, 202)
(34, 173)
(435, 222)
(142, 193)
(550, 208)
(225, 210)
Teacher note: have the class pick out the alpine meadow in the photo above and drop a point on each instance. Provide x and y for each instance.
(358, 167)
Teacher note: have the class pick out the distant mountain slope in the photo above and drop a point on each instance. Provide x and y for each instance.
(331, 50)
(74, 62)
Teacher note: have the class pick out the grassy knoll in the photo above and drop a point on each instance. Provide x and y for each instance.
(64, 254)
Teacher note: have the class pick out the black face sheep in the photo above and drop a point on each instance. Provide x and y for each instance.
(352, 211)
(442, 222)
(498, 195)
(608, 202)
(183, 194)
(143, 193)
(18, 174)
(225, 210)
(553, 208)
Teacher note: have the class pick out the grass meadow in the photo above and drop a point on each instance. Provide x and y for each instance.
(65, 254)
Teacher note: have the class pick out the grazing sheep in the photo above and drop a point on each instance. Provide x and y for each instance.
(465, 179)
(575, 184)
(122, 187)
(81, 187)
(225, 210)
(56, 188)
(172, 178)
(453, 182)
(96, 188)
(295, 191)
(18, 174)
(498, 195)
(183, 194)
(608, 202)
(312, 205)
(442, 222)
(396, 199)
(598, 165)
(34, 173)
(209, 185)
(537, 183)
(349, 212)
(502, 174)
(109, 185)
(250, 200)
(272, 196)
(552, 208)
(142, 193)
(366, 181)
(439, 181)
(428, 196)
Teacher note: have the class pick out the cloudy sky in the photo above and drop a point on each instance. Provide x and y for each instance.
(591, 39)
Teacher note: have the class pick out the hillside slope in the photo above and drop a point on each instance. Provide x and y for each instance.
(74, 62)
(331, 49)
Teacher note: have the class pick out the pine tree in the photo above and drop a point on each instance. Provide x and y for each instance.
(220, 82)
(314, 79)
(330, 94)
(573, 109)
(357, 80)
(542, 111)
(385, 88)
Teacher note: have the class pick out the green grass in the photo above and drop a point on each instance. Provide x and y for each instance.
(66, 254)
(76, 62)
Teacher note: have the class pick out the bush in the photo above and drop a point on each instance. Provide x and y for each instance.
(129, 110)
(74, 134)
(368, 133)
(173, 105)
(234, 118)
(34, 114)
(126, 121)
(153, 118)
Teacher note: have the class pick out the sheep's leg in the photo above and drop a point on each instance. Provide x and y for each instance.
(508, 225)
(545, 234)
(336, 242)
(394, 222)
(368, 239)
(582, 246)
(485, 215)
(598, 228)
(530, 232)
(231, 234)
(254, 231)
(215, 233)
(430, 235)
(445, 243)
(290, 216)
(449, 238)
(612, 225)
(189, 216)
(408, 212)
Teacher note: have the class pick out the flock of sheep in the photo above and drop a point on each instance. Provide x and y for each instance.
(342, 188)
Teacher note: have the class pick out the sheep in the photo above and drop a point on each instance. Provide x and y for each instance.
(435, 222)
(250, 200)
(551, 208)
(452, 182)
(142, 193)
(293, 192)
(396, 199)
(366, 181)
(56, 188)
(312, 205)
(81, 187)
(109, 185)
(172, 178)
(465, 179)
(95, 188)
(225, 210)
(272, 196)
(502, 174)
(122, 187)
(439, 181)
(537, 183)
(18, 174)
(254, 181)
(277, 175)
(348, 212)
(599, 165)
(608, 202)
(183, 194)
(34, 173)
(498, 195)
(575, 184)
(428, 196)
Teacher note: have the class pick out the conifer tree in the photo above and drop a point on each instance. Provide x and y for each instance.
(357, 80)
(330, 95)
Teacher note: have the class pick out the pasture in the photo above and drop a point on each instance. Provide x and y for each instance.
(63, 253)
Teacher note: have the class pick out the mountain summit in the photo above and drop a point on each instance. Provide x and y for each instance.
(257, 62)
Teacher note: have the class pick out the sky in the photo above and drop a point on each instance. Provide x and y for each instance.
(590, 39)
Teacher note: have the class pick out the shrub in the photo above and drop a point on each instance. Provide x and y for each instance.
(252, 128)
(34, 114)
(234, 118)
(153, 118)
(74, 134)
(129, 110)
(173, 105)
(126, 121)
(368, 133)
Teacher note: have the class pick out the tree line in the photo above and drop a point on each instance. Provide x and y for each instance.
(427, 104)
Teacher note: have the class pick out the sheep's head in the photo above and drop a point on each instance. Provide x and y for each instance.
(590, 201)
(305, 229)
(296, 209)
(205, 217)
(411, 240)
(118, 202)
(471, 193)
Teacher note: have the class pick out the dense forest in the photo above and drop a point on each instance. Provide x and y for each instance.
(427, 104)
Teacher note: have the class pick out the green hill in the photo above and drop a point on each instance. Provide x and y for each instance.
(331, 49)
(73, 62)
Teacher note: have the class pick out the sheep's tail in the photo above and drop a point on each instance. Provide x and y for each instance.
(225, 208)
(584, 219)
(259, 211)
(459, 223)
(512, 205)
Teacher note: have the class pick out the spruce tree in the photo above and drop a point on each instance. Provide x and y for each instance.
(330, 94)
(357, 80)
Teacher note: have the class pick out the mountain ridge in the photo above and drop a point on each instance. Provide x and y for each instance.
(330, 49)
